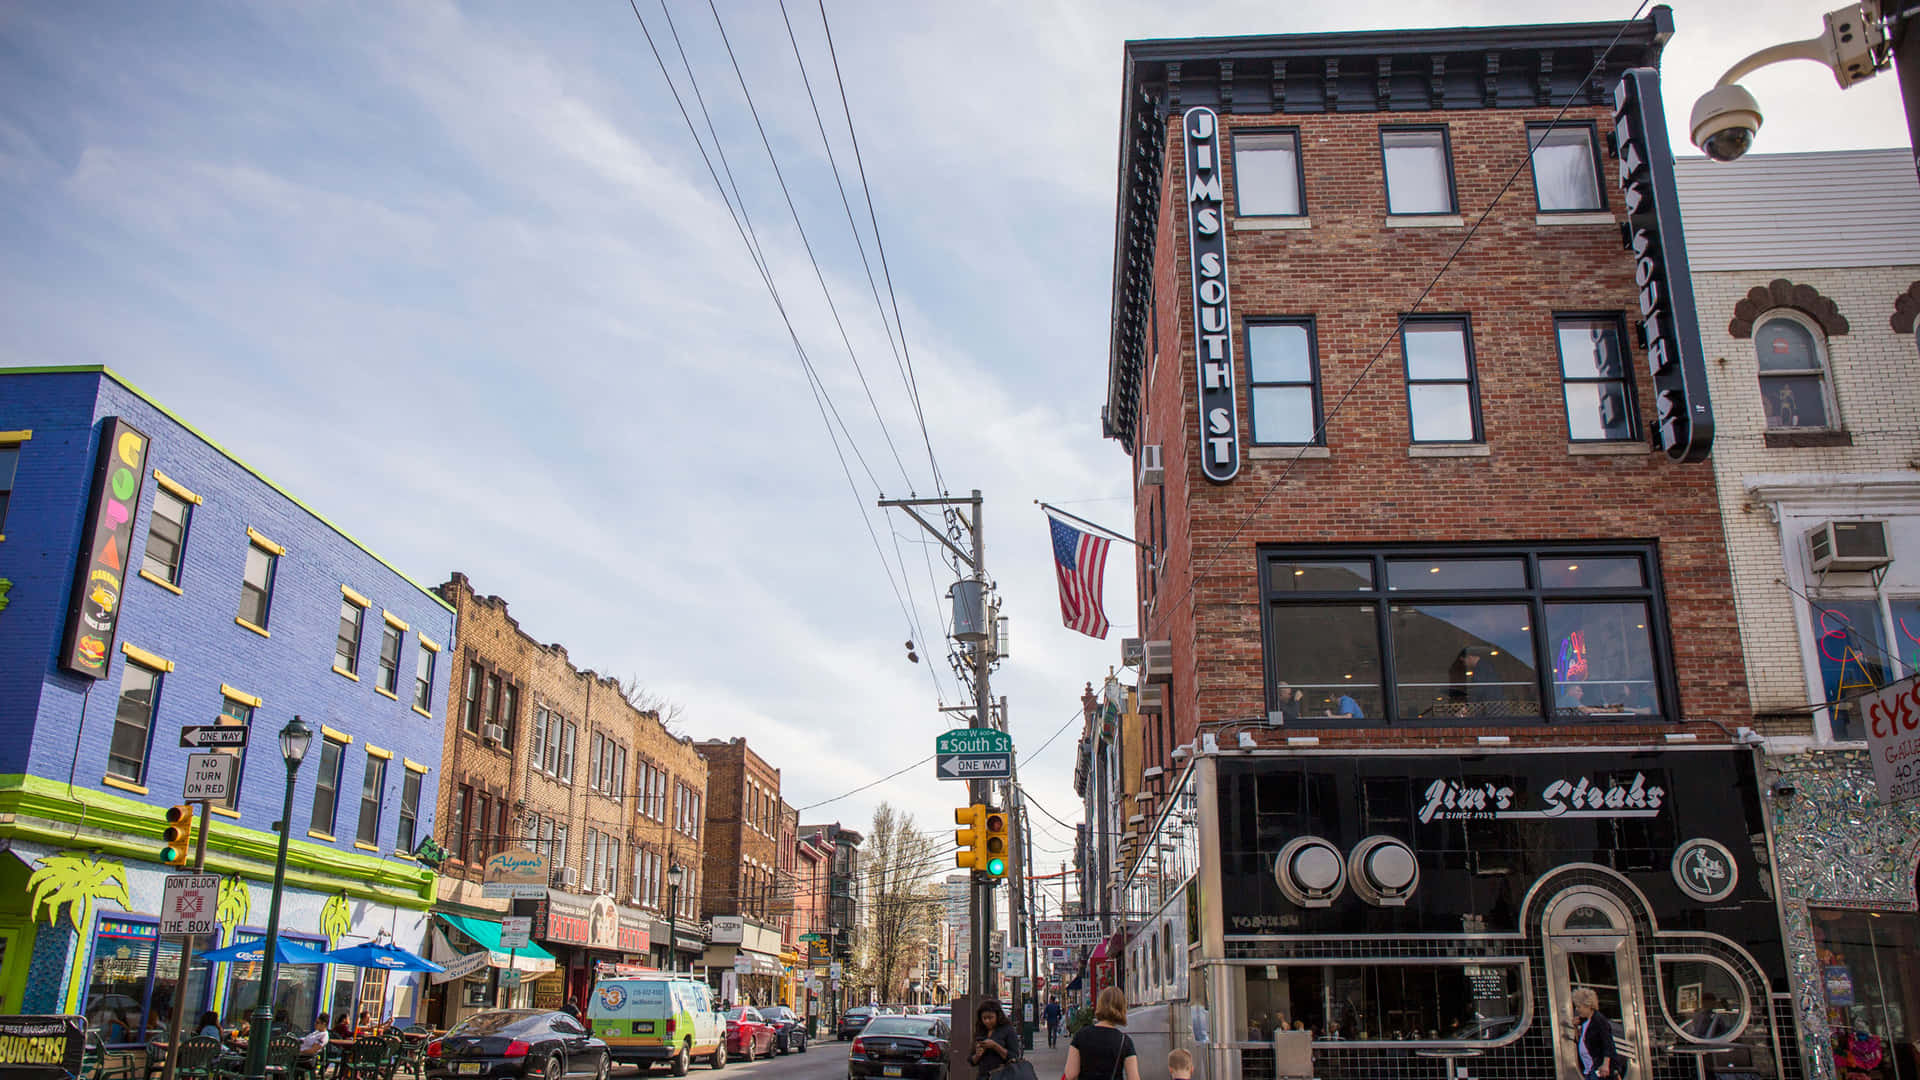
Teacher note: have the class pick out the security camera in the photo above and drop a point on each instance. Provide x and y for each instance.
(1784, 790)
(1724, 122)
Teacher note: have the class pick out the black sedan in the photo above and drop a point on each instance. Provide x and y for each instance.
(532, 1043)
(906, 1046)
(853, 1020)
(789, 1031)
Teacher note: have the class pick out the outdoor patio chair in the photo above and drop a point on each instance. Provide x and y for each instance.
(98, 1063)
(198, 1058)
(282, 1052)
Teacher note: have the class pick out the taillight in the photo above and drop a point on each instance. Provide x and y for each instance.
(669, 1027)
(516, 1048)
(433, 1048)
(859, 1046)
(932, 1052)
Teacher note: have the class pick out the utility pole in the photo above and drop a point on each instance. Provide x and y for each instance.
(1017, 932)
(978, 791)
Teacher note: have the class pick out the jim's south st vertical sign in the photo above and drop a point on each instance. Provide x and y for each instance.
(1212, 304)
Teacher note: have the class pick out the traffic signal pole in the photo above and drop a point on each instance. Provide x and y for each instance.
(186, 950)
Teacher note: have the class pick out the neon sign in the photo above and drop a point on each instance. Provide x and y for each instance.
(1212, 303)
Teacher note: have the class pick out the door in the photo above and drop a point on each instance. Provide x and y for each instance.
(1590, 944)
(573, 1041)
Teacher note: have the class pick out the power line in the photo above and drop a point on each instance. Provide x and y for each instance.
(864, 787)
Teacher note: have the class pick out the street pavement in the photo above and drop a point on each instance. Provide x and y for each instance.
(827, 1060)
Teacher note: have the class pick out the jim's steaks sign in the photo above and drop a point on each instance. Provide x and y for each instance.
(1574, 797)
(1212, 303)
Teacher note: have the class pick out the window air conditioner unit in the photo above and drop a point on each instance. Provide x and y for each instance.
(1848, 547)
(1157, 659)
(1152, 472)
(1153, 699)
(1130, 651)
(568, 878)
(494, 733)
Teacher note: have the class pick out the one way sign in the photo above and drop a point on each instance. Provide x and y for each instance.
(194, 736)
(976, 766)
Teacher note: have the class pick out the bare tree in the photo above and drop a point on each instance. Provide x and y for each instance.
(902, 904)
(650, 701)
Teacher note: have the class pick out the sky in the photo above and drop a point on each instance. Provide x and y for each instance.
(459, 277)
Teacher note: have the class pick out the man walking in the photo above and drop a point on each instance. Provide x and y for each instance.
(1053, 1013)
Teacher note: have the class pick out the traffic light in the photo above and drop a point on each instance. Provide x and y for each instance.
(997, 845)
(972, 839)
(178, 836)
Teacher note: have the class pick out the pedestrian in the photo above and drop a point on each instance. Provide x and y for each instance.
(1102, 1050)
(1054, 1012)
(1179, 1064)
(571, 1009)
(1598, 1057)
(995, 1043)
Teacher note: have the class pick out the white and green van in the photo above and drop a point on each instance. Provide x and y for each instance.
(659, 1019)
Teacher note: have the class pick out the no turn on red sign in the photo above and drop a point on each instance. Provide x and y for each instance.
(189, 903)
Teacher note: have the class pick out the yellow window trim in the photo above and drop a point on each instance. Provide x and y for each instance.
(261, 630)
(365, 847)
(156, 579)
(430, 646)
(384, 692)
(354, 595)
(338, 670)
(16, 436)
(141, 656)
(224, 812)
(253, 534)
(328, 837)
(178, 489)
(395, 621)
(412, 765)
(116, 782)
(423, 712)
(404, 855)
(374, 751)
(240, 696)
(337, 736)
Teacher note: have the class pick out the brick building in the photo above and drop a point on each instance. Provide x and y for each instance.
(545, 757)
(212, 596)
(1441, 674)
(810, 885)
(1816, 387)
(843, 901)
(739, 893)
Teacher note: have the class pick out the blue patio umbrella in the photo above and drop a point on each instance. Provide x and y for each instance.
(252, 952)
(373, 954)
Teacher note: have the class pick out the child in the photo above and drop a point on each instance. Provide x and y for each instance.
(1179, 1064)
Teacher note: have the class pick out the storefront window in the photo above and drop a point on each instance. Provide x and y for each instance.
(1476, 1003)
(1853, 654)
(130, 995)
(1602, 660)
(1465, 660)
(1703, 999)
(296, 986)
(1329, 661)
(1872, 989)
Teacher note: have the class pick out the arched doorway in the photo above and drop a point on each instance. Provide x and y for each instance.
(1590, 943)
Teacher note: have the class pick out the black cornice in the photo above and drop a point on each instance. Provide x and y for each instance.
(1499, 67)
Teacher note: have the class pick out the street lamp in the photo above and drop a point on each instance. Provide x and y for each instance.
(294, 740)
(674, 874)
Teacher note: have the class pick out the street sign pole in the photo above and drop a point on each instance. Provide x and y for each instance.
(186, 946)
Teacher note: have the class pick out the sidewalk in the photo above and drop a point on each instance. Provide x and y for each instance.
(1048, 1064)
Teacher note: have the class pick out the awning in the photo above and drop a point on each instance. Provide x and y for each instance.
(1100, 950)
(530, 958)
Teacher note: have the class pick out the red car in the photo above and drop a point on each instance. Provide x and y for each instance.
(748, 1033)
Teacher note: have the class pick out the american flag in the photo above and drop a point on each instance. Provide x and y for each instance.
(1080, 560)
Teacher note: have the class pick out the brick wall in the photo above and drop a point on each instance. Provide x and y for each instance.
(742, 857)
(1355, 276)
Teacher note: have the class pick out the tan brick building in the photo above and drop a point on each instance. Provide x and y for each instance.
(543, 756)
(740, 885)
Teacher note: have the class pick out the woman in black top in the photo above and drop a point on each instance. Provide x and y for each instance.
(994, 1041)
(1103, 1051)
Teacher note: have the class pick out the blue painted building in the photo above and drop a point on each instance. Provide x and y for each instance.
(210, 597)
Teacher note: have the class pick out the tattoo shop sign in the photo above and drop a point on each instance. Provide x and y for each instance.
(1892, 718)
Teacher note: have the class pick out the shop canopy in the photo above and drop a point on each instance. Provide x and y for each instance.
(287, 951)
(486, 934)
(372, 954)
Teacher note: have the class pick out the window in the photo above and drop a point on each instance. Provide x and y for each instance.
(241, 714)
(131, 991)
(1702, 998)
(491, 708)
(346, 645)
(390, 658)
(326, 787)
(1267, 174)
(1283, 379)
(1464, 634)
(568, 734)
(509, 711)
(373, 991)
(537, 752)
(1793, 374)
(423, 679)
(1566, 168)
(1388, 1002)
(409, 810)
(133, 723)
(256, 586)
(1419, 170)
(462, 812)
(481, 844)
(596, 758)
(1595, 378)
(1852, 649)
(371, 783)
(470, 711)
(1441, 396)
(9, 462)
(166, 530)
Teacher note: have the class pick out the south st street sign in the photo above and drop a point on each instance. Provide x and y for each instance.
(1212, 305)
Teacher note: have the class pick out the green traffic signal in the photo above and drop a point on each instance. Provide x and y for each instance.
(996, 867)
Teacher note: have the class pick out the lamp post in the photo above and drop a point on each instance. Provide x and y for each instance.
(294, 740)
(674, 874)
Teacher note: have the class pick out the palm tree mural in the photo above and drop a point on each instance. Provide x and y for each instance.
(336, 918)
(77, 883)
(233, 908)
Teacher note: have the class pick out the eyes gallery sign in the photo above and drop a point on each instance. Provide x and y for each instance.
(1670, 326)
(1212, 307)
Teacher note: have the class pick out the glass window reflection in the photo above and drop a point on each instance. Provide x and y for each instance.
(1446, 575)
(1464, 660)
(1591, 572)
(1320, 575)
(1852, 649)
(1327, 661)
(1475, 1003)
(1704, 1002)
(1602, 660)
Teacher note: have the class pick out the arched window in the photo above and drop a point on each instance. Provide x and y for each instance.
(1794, 387)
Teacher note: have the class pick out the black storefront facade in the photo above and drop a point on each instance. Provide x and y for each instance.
(1399, 915)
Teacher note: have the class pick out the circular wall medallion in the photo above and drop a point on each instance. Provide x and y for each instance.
(1704, 869)
(1384, 871)
(1310, 871)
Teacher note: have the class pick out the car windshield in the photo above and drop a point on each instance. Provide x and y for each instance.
(491, 1023)
(901, 1025)
(861, 1010)
(736, 1014)
(777, 1012)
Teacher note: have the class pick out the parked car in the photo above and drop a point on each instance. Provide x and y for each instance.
(789, 1031)
(903, 1046)
(657, 1019)
(536, 1043)
(748, 1033)
(853, 1020)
